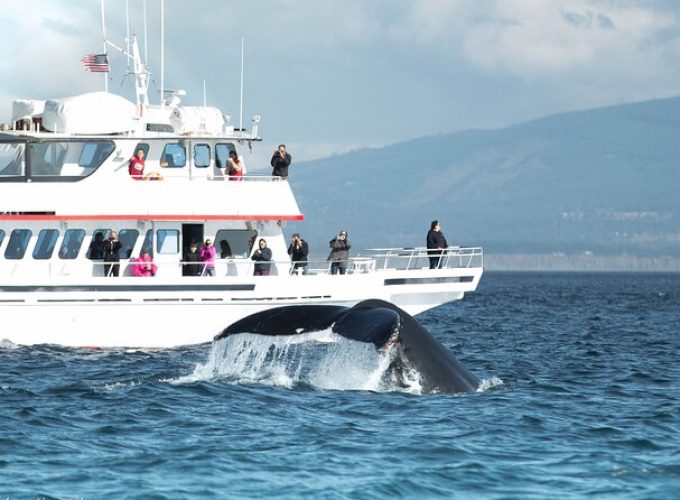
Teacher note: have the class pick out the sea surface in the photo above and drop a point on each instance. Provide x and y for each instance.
(581, 399)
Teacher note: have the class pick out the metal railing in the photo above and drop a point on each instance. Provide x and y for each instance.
(375, 260)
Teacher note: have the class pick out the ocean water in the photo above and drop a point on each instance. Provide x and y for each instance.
(581, 399)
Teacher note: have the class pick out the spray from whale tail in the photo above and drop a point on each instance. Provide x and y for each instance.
(385, 346)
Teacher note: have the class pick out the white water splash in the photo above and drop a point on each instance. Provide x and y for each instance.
(322, 360)
(489, 383)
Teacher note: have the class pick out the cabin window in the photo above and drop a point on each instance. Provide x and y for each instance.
(67, 158)
(234, 243)
(201, 155)
(128, 238)
(44, 247)
(2, 236)
(147, 245)
(12, 160)
(174, 155)
(222, 151)
(17, 244)
(73, 241)
(167, 241)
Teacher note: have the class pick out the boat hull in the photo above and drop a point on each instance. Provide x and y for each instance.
(122, 312)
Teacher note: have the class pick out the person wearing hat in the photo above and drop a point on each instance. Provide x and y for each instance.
(208, 253)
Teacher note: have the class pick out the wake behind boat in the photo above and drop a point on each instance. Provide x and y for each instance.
(65, 182)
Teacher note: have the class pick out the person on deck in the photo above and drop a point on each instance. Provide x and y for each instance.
(298, 251)
(235, 167)
(436, 245)
(339, 255)
(262, 257)
(192, 261)
(208, 254)
(112, 248)
(136, 168)
(280, 162)
(144, 266)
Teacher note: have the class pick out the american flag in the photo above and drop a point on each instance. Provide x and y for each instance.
(97, 63)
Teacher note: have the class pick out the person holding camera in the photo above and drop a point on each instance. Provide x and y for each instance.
(298, 250)
(339, 255)
(112, 248)
(280, 162)
(262, 257)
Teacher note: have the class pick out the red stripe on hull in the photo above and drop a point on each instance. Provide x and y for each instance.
(159, 217)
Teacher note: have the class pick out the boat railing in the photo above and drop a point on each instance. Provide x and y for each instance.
(420, 257)
(376, 260)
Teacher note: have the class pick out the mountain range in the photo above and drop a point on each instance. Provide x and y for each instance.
(603, 181)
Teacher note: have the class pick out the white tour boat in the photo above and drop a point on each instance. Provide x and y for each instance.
(64, 178)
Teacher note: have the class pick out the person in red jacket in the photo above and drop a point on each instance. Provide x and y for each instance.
(136, 168)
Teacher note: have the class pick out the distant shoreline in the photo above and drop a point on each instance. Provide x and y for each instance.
(552, 262)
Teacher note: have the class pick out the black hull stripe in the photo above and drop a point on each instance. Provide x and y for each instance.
(428, 281)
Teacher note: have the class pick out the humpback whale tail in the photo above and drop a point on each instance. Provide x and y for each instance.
(390, 329)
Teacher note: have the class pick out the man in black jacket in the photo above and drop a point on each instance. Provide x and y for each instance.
(280, 162)
(298, 250)
(436, 245)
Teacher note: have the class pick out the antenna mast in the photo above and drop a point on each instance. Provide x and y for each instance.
(240, 125)
(106, 76)
(163, 53)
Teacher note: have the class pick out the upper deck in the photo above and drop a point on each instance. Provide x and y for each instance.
(86, 176)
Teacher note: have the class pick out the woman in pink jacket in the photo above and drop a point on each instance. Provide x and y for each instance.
(208, 253)
(144, 265)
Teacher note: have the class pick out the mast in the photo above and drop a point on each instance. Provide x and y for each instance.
(106, 76)
(240, 125)
(162, 53)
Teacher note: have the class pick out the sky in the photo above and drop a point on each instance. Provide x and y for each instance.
(329, 76)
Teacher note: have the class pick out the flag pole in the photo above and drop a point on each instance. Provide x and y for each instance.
(106, 75)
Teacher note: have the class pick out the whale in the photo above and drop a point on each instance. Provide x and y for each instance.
(383, 324)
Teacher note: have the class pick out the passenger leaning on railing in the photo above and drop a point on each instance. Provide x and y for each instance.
(339, 255)
(436, 245)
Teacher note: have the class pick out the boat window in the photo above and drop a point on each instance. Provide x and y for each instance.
(174, 155)
(159, 127)
(2, 236)
(73, 241)
(167, 241)
(201, 155)
(67, 158)
(18, 242)
(234, 243)
(12, 160)
(222, 151)
(47, 240)
(147, 245)
(128, 238)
